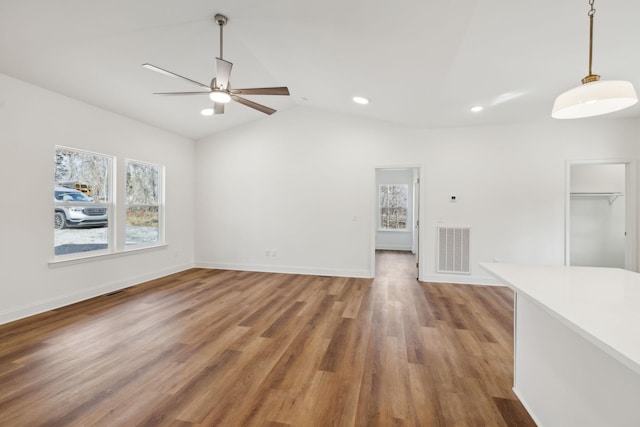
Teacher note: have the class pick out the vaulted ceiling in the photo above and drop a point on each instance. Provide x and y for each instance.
(423, 63)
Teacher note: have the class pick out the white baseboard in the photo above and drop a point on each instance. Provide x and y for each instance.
(462, 279)
(394, 248)
(61, 301)
(317, 271)
(286, 269)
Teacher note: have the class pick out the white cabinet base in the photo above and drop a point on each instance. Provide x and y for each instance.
(565, 380)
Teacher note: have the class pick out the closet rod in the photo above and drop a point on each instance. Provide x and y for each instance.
(612, 196)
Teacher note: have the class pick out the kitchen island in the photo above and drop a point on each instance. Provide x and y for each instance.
(577, 343)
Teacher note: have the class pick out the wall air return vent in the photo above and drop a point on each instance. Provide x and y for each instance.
(453, 250)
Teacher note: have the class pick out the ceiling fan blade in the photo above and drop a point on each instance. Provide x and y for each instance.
(182, 93)
(170, 74)
(223, 71)
(218, 108)
(261, 91)
(253, 105)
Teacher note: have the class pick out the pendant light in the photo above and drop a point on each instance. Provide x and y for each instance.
(594, 97)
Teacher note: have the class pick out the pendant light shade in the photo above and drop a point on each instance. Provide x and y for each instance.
(594, 99)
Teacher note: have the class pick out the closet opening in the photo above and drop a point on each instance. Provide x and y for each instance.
(600, 224)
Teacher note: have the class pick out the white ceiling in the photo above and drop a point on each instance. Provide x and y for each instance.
(422, 63)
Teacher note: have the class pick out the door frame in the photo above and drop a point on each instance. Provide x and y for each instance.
(417, 217)
(630, 208)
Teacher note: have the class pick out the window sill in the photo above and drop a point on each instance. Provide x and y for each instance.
(104, 255)
(383, 230)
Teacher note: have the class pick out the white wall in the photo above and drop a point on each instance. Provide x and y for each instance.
(598, 178)
(299, 183)
(597, 226)
(292, 184)
(32, 122)
(399, 240)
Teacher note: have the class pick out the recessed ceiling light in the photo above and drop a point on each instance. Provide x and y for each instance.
(476, 109)
(360, 100)
(207, 112)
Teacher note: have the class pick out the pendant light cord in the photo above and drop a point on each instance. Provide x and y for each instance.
(591, 77)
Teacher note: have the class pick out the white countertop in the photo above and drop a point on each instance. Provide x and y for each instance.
(601, 304)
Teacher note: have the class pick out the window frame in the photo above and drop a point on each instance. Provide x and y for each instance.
(160, 205)
(109, 204)
(116, 206)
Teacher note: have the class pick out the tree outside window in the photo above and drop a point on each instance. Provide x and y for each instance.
(394, 204)
(143, 203)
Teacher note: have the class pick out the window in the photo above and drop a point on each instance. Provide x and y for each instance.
(143, 203)
(393, 202)
(82, 201)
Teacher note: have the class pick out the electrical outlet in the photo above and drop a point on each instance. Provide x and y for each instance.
(274, 253)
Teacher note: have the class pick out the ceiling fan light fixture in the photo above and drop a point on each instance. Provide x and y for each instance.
(219, 96)
(219, 90)
(594, 97)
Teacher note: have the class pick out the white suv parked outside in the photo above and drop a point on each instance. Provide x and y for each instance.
(73, 208)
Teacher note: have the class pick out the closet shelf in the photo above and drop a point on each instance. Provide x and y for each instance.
(611, 196)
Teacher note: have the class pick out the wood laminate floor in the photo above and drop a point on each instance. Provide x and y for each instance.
(228, 348)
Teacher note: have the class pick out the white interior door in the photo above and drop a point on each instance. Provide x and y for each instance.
(416, 218)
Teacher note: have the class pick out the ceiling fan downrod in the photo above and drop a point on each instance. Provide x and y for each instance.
(221, 20)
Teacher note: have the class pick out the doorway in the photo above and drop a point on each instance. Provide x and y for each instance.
(600, 229)
(397, 212)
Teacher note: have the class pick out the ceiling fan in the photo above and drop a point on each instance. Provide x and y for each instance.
(220, 91)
